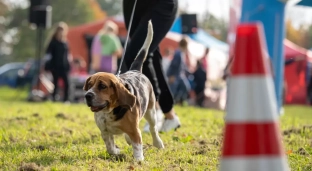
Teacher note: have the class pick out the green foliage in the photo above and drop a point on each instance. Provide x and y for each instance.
(111, 7)
(301, 36)
(215, 26)
(54, 136)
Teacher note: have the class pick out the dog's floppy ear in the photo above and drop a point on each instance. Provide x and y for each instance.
(86, 85)
(124, 97)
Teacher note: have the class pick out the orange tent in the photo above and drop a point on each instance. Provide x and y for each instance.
(78, 45)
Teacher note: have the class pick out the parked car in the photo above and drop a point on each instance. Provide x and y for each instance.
(27, 74)
(18, 74)
(9, 73)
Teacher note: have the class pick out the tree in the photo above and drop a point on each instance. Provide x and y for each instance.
(73, 12)
(97, 10)
(111, 7)
(292, 33)
(309, 37)
(3, 44)
(216, 27)
(301, 36)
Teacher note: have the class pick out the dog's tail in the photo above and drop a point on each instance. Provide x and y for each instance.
(140, 58)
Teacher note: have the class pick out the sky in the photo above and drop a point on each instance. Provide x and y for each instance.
(220, 8)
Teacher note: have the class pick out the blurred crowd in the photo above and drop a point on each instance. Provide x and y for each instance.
(186, 84)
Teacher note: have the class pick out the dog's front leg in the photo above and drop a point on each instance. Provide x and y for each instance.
(110, 144)
(137, 146)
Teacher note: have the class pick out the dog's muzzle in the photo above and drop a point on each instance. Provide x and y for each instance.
(94, 107)
(89, 97)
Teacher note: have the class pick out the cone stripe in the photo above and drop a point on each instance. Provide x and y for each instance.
(262, 163)
(252, 139)
(250, 99)
(250, 56)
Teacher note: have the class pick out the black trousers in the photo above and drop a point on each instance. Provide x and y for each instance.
(162, 13)
(64, 76)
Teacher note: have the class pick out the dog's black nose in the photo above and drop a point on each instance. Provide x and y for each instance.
(89, 96)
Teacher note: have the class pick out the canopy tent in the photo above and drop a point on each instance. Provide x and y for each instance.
(297, 73)
(201, 37)
(79, 48)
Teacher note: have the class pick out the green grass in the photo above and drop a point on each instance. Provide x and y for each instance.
(54, 136)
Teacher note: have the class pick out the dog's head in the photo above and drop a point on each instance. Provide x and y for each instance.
(104, 92)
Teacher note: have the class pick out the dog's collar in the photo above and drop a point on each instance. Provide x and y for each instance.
(119, 112)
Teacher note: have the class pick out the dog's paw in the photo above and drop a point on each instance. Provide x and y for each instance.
(159, 144)
(113, 151)
(139, 158)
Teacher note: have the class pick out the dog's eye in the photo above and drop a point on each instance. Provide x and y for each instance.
(102, 86)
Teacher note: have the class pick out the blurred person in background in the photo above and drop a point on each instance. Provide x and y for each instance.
(162, 13)
(59, 63)
(204, 59)
(106, 49)
(200, 78)
(202, 66)
(177, 72)
(166, 60)
(78, 66)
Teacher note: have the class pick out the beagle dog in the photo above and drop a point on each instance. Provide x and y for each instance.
(119, 103)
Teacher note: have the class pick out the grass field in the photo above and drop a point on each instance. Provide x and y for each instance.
(47, 136)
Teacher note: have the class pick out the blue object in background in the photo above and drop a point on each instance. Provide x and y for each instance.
(201, 36)
(9, 74)
(271, 14)
(305, 3)
(17, 74)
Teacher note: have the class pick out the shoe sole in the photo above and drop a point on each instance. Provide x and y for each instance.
(175, 129)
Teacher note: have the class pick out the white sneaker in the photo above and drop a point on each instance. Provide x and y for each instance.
(159, 122)
(170, 124)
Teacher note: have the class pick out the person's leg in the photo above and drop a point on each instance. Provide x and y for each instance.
(162, 16)
(133, 48)
(55, 83)
(166, 100)
(200, 97)
(66, 85)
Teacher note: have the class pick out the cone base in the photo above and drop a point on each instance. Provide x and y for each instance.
(264, 163)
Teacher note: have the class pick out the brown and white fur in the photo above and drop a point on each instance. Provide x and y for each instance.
(119, 103)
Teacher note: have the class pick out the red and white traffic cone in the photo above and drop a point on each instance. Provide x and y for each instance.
(252, 140)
